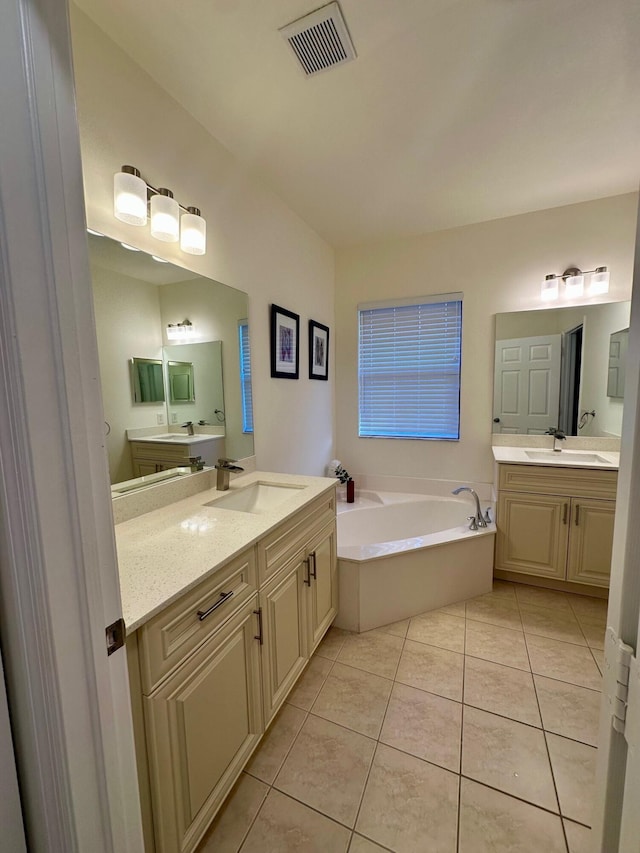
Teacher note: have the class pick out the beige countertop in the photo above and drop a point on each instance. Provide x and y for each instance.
(607, 460)
(164, 553)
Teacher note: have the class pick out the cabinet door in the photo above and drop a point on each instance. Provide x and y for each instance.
(141, 469)
(202, 724)
(284, 625)
(323, 588)
(532, 534)
(591, 541)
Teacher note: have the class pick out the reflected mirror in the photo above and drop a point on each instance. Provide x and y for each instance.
(147, 383)
(553, 368)
(135, 298)
(618, 343)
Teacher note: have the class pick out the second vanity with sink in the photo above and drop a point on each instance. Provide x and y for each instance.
(225, 597)
(555, 514)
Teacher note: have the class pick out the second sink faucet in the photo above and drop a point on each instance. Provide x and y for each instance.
(481, 520)
(189, 427)
(558, 435)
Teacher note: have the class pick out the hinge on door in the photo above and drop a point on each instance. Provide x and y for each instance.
(622, 687)
(115, 634)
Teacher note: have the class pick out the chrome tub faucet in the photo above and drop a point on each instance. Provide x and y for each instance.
(479, 520)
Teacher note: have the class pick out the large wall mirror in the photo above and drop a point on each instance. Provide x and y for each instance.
(554, 368)
(135, 298)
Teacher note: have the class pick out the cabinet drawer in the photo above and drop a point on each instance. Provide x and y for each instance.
(161, 452)
(278, 547)
(544, 480)
(168, 638)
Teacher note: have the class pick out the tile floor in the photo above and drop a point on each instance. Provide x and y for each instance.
(470, 729)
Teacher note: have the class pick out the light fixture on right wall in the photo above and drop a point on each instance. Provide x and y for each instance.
(573, 280)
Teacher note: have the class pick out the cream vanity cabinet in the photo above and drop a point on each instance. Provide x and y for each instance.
(149, 458)
(556, 523)
(210, 671)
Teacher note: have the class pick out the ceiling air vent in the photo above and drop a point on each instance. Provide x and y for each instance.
(320, 40)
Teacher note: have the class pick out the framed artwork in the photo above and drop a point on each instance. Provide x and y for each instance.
(318, 350)
(285, 343)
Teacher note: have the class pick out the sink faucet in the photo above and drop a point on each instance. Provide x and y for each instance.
(189, 427)
(558, 435)
(481, 521)
(224, 468)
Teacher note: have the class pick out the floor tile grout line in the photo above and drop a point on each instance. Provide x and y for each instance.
(546, 746)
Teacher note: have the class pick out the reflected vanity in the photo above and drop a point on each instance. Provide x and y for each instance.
(150, 385)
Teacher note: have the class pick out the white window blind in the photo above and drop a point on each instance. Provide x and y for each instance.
(409, 368)
(245, 377)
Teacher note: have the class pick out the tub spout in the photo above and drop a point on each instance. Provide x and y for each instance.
(479, 517)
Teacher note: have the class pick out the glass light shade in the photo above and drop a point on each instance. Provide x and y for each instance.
(549, 290)
(180, 331)
(574, 285)
(129, 198)
(193, 233)
(599, 282)
(165, 217)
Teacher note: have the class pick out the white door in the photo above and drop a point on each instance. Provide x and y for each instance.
(527, 385)
(69, 701)
(616, 819)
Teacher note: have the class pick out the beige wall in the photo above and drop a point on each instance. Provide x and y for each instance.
(123, 335)
(255, 242)
(498, 266)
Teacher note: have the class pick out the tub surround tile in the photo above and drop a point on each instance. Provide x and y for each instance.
(327, 768)
(494, 611)
(376, 653)
(435, 670)
(235, 817)
(501, 690)
(286, 826)
(556, 624)
(578, 837)
(409, 805)
(507, 755)
(310, 683)
(332, 643)
(568, 710)
(500, 645)
(563, 661)
(574, 768)
(424, 725)
(438, 629)
(277, 742)
(492, 822)
(354, 698)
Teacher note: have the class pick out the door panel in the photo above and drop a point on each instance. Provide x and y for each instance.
(591, 541)
(324, 583)
(527, 384)
(536, 542)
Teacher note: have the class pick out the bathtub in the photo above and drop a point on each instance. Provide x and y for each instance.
(403, 554)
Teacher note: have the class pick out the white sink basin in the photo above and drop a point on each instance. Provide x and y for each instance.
(179, 438)
(567, 457)
(257, 498)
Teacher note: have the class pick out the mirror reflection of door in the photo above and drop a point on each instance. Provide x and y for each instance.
(618, 344)
(181, 384)
(571, 367)
(146, 380)
(527, 385)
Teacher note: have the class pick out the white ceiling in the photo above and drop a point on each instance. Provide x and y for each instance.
(455, 111)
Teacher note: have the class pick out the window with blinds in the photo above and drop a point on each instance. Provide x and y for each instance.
(409, 368)
(245, 376)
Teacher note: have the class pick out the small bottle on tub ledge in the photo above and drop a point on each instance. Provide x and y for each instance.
(343, 475)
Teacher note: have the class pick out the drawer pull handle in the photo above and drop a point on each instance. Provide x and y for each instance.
(202, 614)
(565, 513)
(307, 563)
(312, 574)
(259, 635)
(577, 514)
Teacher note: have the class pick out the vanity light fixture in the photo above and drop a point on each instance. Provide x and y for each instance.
(159, 260)
(133, 197)
(129, 248)
(573, 280)
(184, 331)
